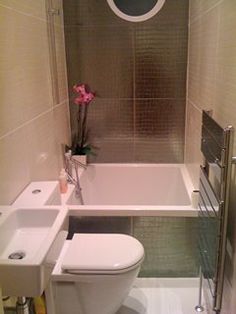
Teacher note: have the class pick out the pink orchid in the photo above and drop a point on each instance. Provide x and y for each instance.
(85, 95)
(82, 97)
(79, 100)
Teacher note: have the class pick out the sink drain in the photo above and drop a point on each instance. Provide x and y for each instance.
(37, 191)
(17, 255)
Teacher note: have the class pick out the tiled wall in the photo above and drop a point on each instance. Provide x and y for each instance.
(211, 85)
(32, 124)
(170, 246)
(139, 73)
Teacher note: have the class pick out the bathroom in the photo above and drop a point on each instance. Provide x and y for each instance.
(152, 80)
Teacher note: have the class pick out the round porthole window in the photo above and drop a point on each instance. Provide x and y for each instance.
(136, 10)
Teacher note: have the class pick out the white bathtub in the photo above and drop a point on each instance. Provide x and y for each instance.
(134, 189)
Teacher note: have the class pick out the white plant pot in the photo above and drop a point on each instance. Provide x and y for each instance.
(80, 158)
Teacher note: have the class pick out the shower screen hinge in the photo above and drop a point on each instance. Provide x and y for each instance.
(233, 160)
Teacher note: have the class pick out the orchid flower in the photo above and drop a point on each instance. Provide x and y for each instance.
(85, 96)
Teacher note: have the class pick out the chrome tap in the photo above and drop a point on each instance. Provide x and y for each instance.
(70, 165)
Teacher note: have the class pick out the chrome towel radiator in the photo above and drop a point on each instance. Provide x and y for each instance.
(214, 185)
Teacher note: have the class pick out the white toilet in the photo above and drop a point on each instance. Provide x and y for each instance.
(95, 273)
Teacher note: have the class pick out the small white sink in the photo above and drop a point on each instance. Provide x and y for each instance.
(27, 235)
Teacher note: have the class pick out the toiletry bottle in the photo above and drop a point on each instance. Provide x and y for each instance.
(63, 181)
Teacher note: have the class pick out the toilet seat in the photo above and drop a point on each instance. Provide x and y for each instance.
(102, 254)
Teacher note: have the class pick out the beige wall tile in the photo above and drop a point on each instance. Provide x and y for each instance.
(57, 49)
(30, 131)
(61, 63)
(195, 9)
(14, 169)
(227, 300)
(25, 89)
(35, 8)
(193, 156)
(43, 150)
(225, 100)
(200, 7)
(62, 127)
(203, 43)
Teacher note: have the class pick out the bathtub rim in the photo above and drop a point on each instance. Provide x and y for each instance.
(135, 210)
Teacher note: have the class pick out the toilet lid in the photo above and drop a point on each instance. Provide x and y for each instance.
(102, 252)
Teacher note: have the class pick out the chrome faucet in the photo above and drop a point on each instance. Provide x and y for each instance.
(70, 164)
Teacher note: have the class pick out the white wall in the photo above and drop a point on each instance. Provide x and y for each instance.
(32, 124)
(212, 85)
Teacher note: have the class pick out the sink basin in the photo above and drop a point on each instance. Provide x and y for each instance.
(27, 238)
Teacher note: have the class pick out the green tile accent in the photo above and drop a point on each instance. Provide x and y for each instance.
(170, 246)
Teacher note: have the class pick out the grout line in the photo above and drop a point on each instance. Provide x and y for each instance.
(52, 56)
(32, 120)
(63, 102)
(144, 98)
(134, 90)
(187, 89)
(217, 67)
(195, 106)
(67, 26)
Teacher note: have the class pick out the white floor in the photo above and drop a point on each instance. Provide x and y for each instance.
(162, 296)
